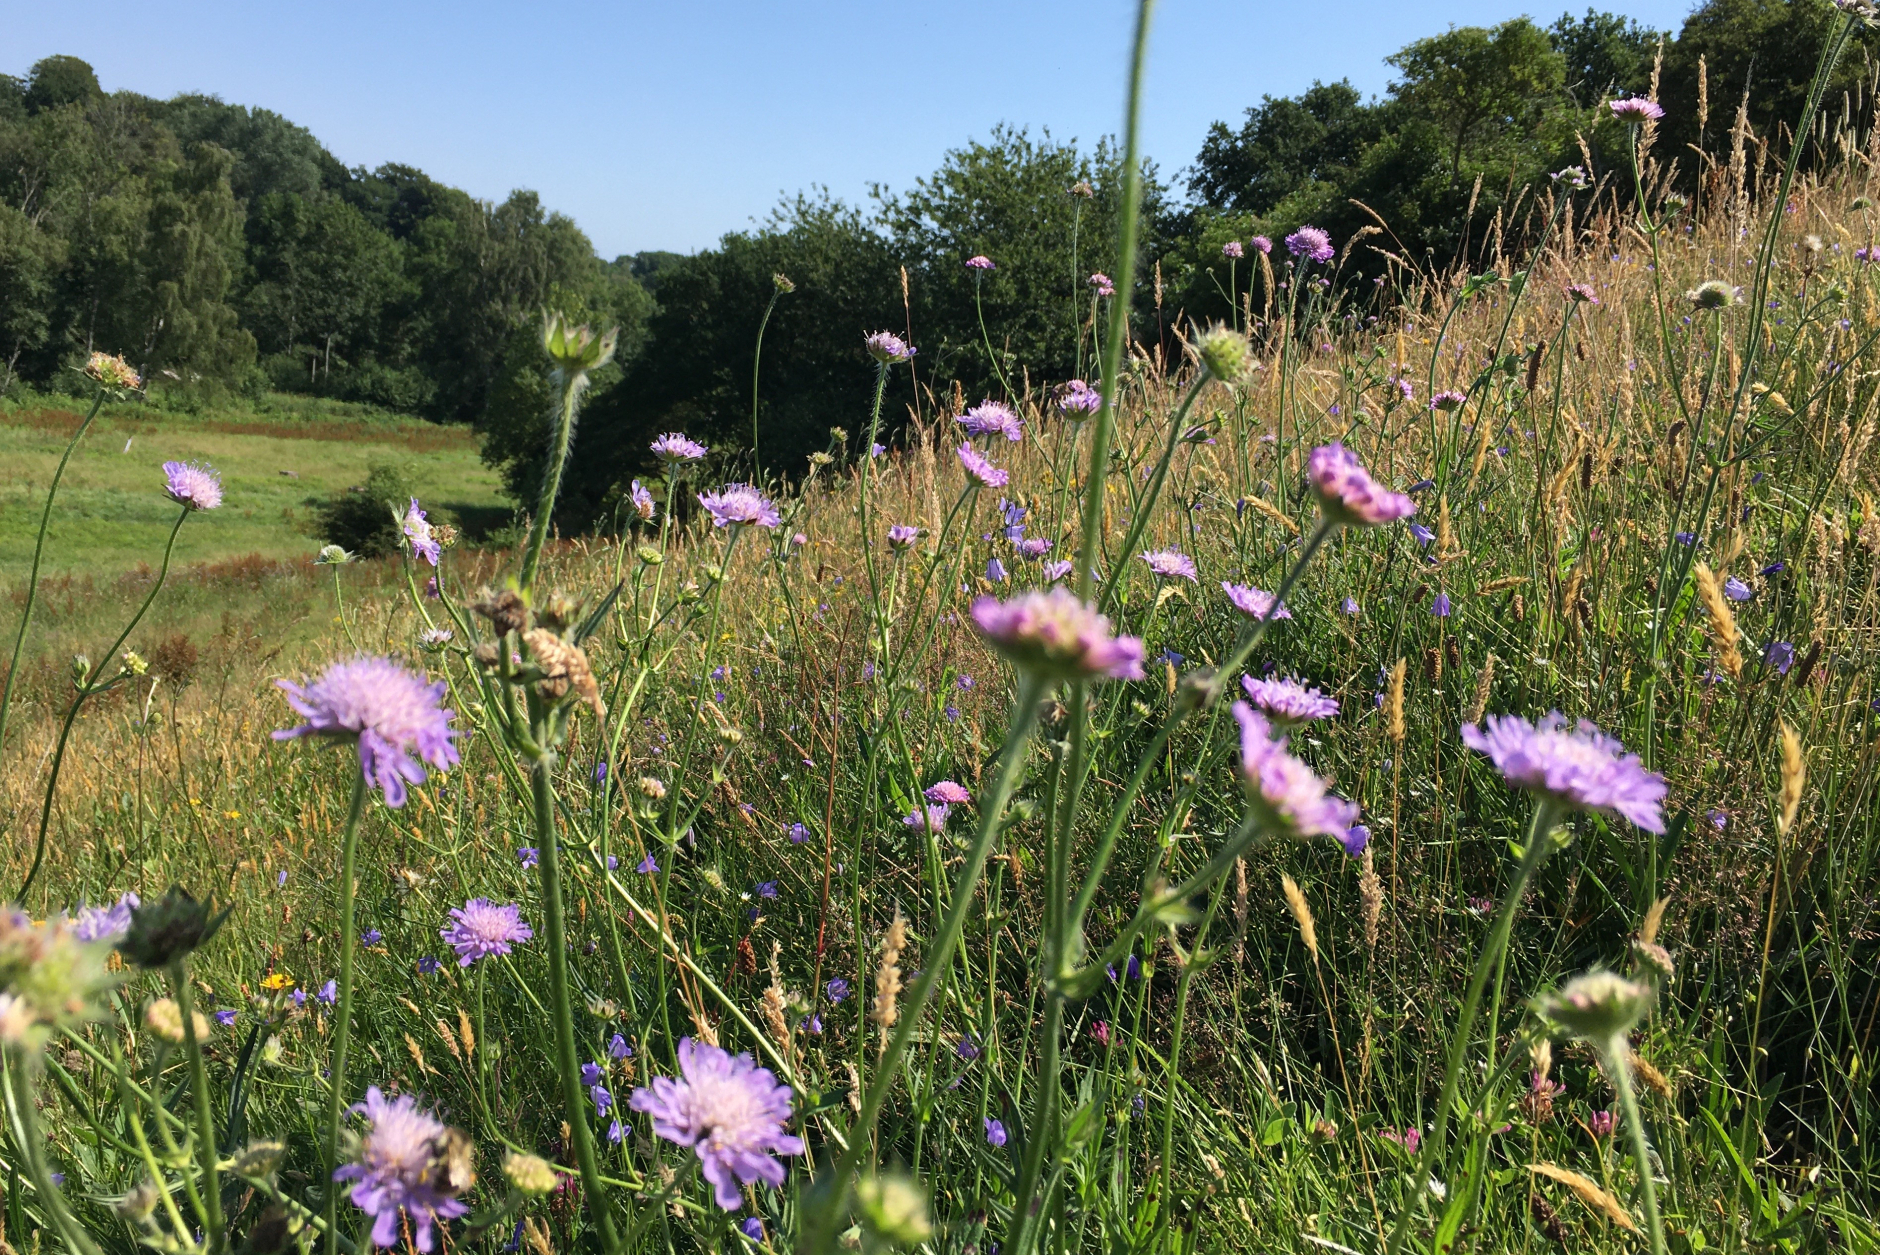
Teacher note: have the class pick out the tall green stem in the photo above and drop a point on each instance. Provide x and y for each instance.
(1619, 1068)
(205, 1115)
(342, 1027)
(32, 580)
(757, 357)
(573, 384)
(23, 1120)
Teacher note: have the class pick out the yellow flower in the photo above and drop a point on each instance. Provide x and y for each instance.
(277, 982)
(231, 814)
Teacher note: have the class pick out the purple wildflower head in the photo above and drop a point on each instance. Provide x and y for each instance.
(1171, 564)
(642, 502)
(903, 535)
(1059, 636)
(1032, 547)
(1347, 493)
(982, 472)
(390, 711)
(1737, 590)
(1582, 293)
(1349, 605)
(933, 818)
(1055, 571)
(735, 505)
(886, 347)
(992, 418)
(1233, 250)
(106, 923)
(419, 534)
(1440, 607)
(948, 792)
(798, 833)
(729, 1111)
(673, 447)
(482, 929)
(1578, 767)
(404, 1165)
(1633, 110)
(191, 485)
(529, 856)
(646, 866)
(1079, 400)
(1286, 701)
(1285, 793)
(1262, 243)
(1101, 283)
(1310, 243)
(995, 1132)
(1255, 603)
(1448, 400)
(980, 262)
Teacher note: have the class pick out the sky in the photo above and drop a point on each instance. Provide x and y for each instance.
(663, 126)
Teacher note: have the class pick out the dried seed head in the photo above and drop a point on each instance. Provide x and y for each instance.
(1296, 903)
(1393, 705)
(1720, 622)
(888, 976)
(1478, 701)
(1794, 775)
(1589, 1192)
(1370, 898)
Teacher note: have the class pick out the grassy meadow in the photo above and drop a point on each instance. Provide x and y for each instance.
(1095, 1008)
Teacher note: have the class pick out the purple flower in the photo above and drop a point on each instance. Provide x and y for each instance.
(483, 929)
(1311, 243)
(1255, 603)
(798, 834)
(1032, 547)
(1055, 571)
(1101, 282)
(673, 447)
(1232, 249)
(1774, 568)
(418, 532)
(399, 1170)
(995, 571)
(751, 1226)
(329, 993)
(1347, 493)
(1635, 109)
(1078, 398)
(1601, 1124)
(729, 1111)
(947, 793)
(617, 1047)
(1262, 243)
(980, 262)
(1780, 655)
(388, 710)
(225, 1018)
(1440, 607)
(371, 937)
(642, 501)
(528, 856)
(1171, 564)
(995, 1132)
(886, 347)
(1447, 400)
(1285, 793)
(736, 505)
(1288, 701)
(1718, 819)
(1578, 767)
(428, 966)
(902, 535)
(107, 923)
(1349, 605)
(1737, 590)
(980, 470)
(1582, 293)
(1423, 534)
(932, 818)
(1685, 538)
(1058, 635)
(991, 418)
(191, 485)
(766, 889)
(646, 866)
(837, 989)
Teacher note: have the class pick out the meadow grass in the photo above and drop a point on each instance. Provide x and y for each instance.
(1256, 1062)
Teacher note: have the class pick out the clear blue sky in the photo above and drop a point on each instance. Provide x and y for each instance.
(666, 125)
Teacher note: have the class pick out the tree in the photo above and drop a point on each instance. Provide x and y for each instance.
(323, 276)
(194, 251)
(272, 155)
(1471, 75)
(1285, 144)
(29, 261)
(56, 82)
(1605, 54)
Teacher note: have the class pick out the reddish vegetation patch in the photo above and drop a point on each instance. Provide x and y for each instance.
(419, 439)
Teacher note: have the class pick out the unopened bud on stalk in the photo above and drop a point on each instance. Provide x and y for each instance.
(531, 1175)
(1598, 1007)
(576, 349)
(165, 1020)
(730, 736)
(1225, 353)
(894, 1209)
(651, 787)
(139, 1203)
(649, 555)
(260, 1159)
(81, 668)
(134, 663)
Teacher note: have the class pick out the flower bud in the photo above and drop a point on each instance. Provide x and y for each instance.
(730, 736)
(529, 1174)
(649, 555)
(651, 787)
(1598, 1007)
(1225, 353)
(169, 928)
(782, 282)
(134, 663)
(138, 1204)
(894, 1209)
(576, 349)
(165, 1020)
(332, 555)
(81, 668)
(260, 1159)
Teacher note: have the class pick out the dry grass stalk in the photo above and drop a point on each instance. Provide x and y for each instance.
(1590, 1194)
(1370, 898)
(1296, 903)
(1393, 705)
(1794, 775)
(888, 977)
(1478, 701)
(1720, 621)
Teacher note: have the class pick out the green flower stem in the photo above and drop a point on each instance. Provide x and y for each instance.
(572, 387)
(555, 939)
(23, 1121)
(757, 358)
(339, 608)
(342, 1026)
(86, 689)
(1113, 590)
(1619, 1068)
(39, 548)
(205, 1116)
(1539, 844)
(992, 357)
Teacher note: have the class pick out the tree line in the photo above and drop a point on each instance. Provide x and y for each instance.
(222, 248)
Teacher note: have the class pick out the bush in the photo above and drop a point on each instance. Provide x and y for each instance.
(364, 517)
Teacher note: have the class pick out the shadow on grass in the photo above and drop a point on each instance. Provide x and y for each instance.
(480, 522)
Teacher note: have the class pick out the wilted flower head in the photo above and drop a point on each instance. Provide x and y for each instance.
(390, 711)
(113, 372)
(191, 485)
(1287, 794)
(1582, 293)
(979, 469)
(1079, 399)
(1633, 110)
(418, 532)
(739, 504)
(673, 447)
(1599, 1006)
(1347, 493)
(885, 347)
(1225, 352)
(1233, 249)
(1712, 294)
(992, 418)
(1255, 603)
(1101, 282)
(51, 978)
(1171, 564)
(1311, 243)
(1578, 767)
(106, 923)
(1287, 701)
(642, 501)
(980, 262)
(1058, 636)
(483, 929)
(409, 1162)
(163, 931)
(729, 1111)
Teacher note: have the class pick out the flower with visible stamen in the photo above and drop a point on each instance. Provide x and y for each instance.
(981, 471)
(992, 418)
(1255, 603)
(191, 485)
(1171, 564)
(404, 1166)
(736, 505)
(389, 711)
(1287, 701)
(729, 1111)
(673, 447)
(1578, 767)
(483, 929)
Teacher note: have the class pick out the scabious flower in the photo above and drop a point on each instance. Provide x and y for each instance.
(992, 418)
(980, 262)
(1578, 767)
(1262, 243)
(113, 371)
(1447, 401)
(673, 447)
(106, 923)
(1255, 603)
(948, 793)
(402, 1167)
(1582, 294)
(902, 535)
(1633, 110)
(191, 485)
(1233, 250)
(738, 504)
(729, 1111)
(886, 347)
(1287, 701)
(1171, 564)
(1055, 571)
(418, 533)
(642, 501)
(1101, 282)
(483, 929)
(984, 473)
(1311, 243)
(932, 818)
(1032, 547)
(1713, 294)
(1287, 794)
(1079, 399)
(1347, 493)
(1057, 636)
(388, 710)
(51, 974)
